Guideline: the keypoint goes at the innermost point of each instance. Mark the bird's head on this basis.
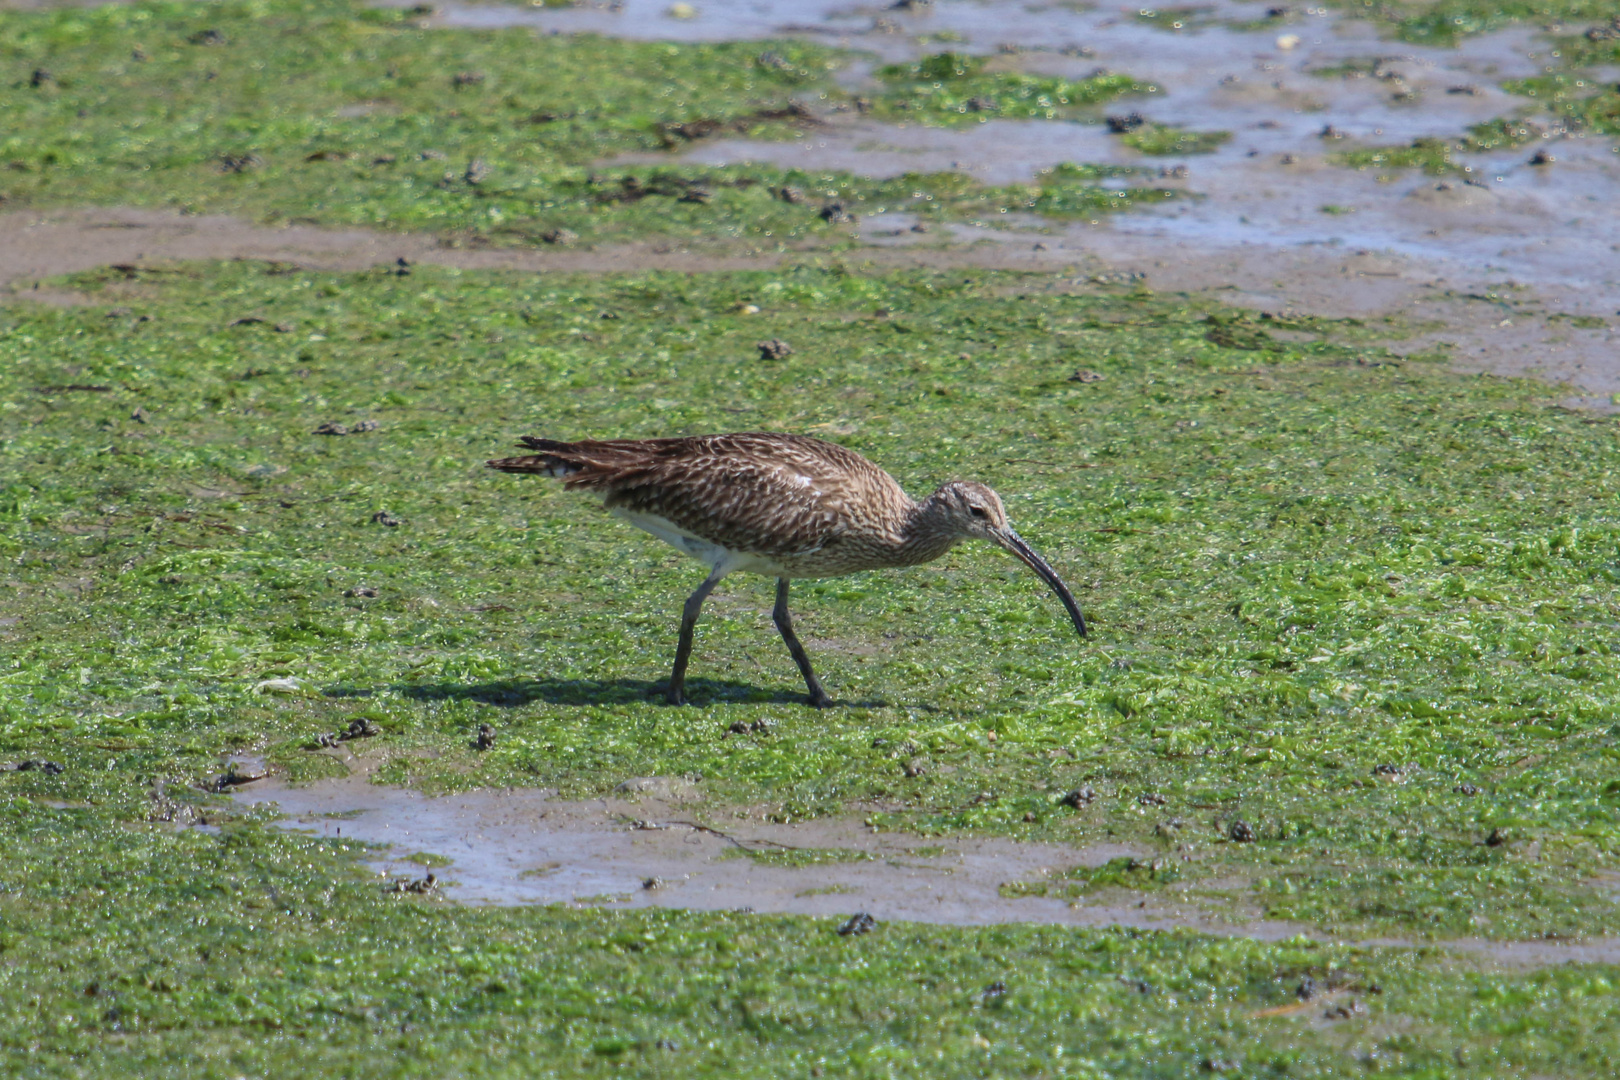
(971, 511)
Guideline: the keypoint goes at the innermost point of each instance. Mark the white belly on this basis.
(716, 557)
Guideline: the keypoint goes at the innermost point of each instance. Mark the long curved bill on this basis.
(1015, 544)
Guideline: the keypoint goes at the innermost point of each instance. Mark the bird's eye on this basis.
(977, 511)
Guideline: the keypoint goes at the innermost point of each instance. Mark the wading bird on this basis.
(785, 505)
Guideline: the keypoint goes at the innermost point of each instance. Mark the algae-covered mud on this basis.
(1349, 671)
(322, 747)
(331, 113)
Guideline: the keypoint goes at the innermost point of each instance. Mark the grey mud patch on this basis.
(653, 843)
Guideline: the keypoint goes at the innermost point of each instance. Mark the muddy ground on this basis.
(1511, 271)
(1504, 329)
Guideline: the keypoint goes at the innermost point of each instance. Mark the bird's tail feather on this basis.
(584, 464)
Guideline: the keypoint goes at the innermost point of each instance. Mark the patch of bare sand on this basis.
(35, 245)
(1484, 320)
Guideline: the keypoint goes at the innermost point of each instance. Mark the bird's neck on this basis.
(926, 534)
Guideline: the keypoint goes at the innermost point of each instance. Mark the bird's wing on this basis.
(770, 494)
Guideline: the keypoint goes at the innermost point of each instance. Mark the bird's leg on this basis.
(683, 651)
(784, 623)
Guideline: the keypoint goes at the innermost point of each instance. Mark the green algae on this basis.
(955, 87)
(1165, 139)
(1360, 604)
(1445, 22)
(1329, 587)
(256, 951)
(326, 112)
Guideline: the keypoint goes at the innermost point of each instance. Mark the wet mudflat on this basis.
(1329, 790)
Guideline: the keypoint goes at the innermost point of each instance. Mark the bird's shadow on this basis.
(511, 693)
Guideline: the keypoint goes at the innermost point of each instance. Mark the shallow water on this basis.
(525, 847)
(651, 844)
(1270, 186)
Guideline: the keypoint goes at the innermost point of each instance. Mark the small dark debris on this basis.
(1289, 159)
(994, 991)
(1465, 789)
(402, 267)
(774, 349)
(1330, 132)
(1083, 376)
(1542, 157)
(329, 155)
(139, 415)
(233, 777)
(1344, 1010)
(385, 519)
(863, 105)
(363, 591)
(1080, 796)
(859, 923)
(431, 155)
(239, 163)
(361, 728)
(1307, 989)
(666, 1044)
(914, 768)
(485, 739)
(791, 195)
(772, 59)
(921, 227)
(360, 428)
(983, 104)
(1605, 33)
(836, 213)
(420, 885)
(462, 79)
(1121, 125)
(1388, 770)
(49, 768)
(1471, 91)
(1151, 798)
(560, 237)
(652, 884)
(1139, 985)
(476, 173)
(1221, 1065)
(1174, 172)
(384, 159)
(40, 77)
(1496, 839)
(701, 196)
(749, 727)
(1241, 832)
(207, 37)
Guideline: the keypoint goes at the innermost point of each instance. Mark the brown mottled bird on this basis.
(785, 505)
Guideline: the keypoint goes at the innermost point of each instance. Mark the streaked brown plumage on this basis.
(785, 505)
